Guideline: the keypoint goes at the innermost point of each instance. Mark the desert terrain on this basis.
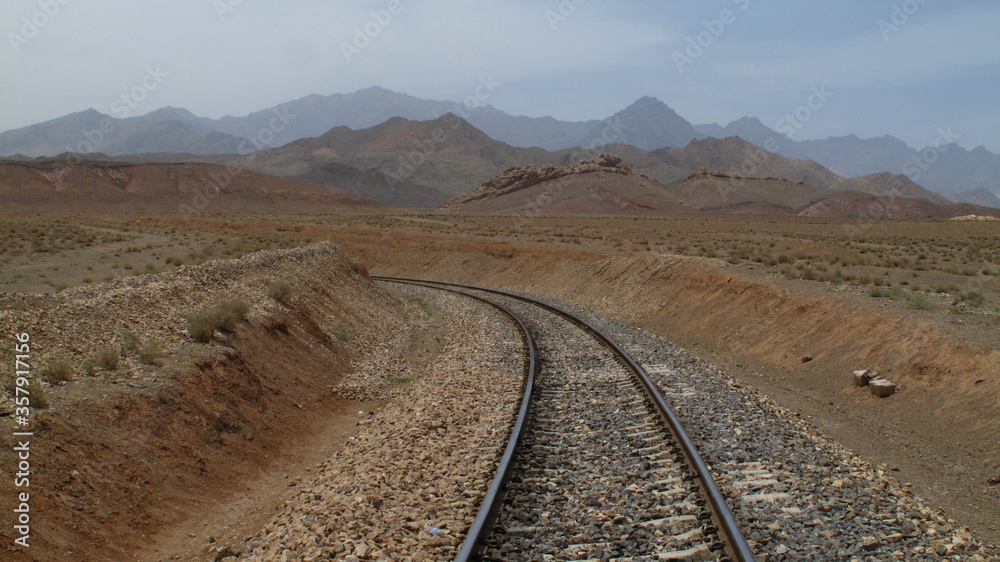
(789, 305)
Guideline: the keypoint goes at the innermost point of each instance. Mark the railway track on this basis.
(597, 467)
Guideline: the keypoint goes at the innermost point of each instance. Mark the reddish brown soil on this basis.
(118, 471)
(184, 188)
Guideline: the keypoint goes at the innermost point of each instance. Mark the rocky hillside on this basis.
(602, 185)
(607, 185)
(58, 185)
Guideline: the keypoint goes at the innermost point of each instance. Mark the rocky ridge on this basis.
(522, 177)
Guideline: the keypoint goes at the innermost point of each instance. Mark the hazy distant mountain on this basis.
(647, 124)
(89, 131)
(423, 163)
(981, 196)
(735, 155)
(945, 169)
(64, 134)
(314, 115)
(169, 136)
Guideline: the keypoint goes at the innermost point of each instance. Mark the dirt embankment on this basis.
(939, 430)
(121, 457)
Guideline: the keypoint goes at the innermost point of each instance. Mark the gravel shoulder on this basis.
(410, 483)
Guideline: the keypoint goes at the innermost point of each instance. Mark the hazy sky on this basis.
(905, 68)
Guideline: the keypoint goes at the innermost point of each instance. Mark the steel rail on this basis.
(735, 543)
(482, 526)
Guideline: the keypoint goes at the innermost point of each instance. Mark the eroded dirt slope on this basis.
(122, 455)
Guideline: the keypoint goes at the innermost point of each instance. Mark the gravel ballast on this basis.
(796, 494)
(411, 482)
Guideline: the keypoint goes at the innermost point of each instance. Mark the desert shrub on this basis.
(920, 301)
(108, 357)
(788, 271)
(972, 298)
(949, 288)
(231, 313)
(174, 260)
(345, 335)
(151, 352)
(281, 292)
(130, 341)
(36, 396)
(89, 368)
(224, 316)
(8, 381)
(57, 370)
(201, 325)
(879, 293)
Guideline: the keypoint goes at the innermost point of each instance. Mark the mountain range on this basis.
(426, 163)
(647, 124)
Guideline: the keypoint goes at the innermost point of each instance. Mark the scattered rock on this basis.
(869, 543)
(862, 377)
(882, 388)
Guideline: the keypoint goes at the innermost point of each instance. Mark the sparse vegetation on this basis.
(345, 335)
(224, 316)
(921, 301)
(108, 358)
(8, 382)
(428, 309)
(57, 370)
(151, 352)
(971, 298)
(281, 292)
(129, 340)
(36, 395)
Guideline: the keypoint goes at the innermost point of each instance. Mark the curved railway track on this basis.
(597, 466)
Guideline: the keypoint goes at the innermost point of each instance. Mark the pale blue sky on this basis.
(938, 66)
